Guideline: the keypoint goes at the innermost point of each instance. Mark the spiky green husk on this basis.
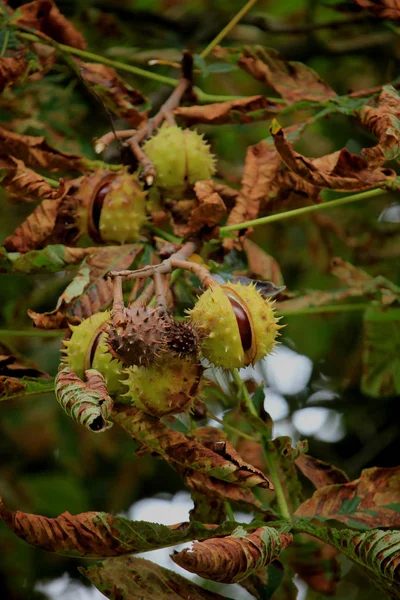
(220, 340)
(124, 210)
(78, 346)
(165, 389)
(181, 157)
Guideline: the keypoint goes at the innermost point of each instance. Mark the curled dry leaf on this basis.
(128, 577)
(35, 152)
(210, 209)
(383, 9)
(243, 110)
(319, 472)
(88, 403)
(90, 291)
(12, 68)
(44, 16)
(25, 183)
(369, 501)
(175, 447)
(231, 559)
(119, 97)
(98, 534)
(384, 122)
(341, 171)
(294, 81)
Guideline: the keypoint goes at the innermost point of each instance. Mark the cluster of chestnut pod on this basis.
(145, 356)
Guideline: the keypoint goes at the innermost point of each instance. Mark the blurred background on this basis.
(48, 464)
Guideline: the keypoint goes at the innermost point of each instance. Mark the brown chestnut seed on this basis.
(92, 350)
(243, 323)
(98, 204)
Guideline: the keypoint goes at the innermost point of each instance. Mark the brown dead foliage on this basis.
(25, 183)
(384, 9)
(12, 68)
(176, 447)
(384, 122)
(339, 171)
(44, 16)
(319, 472)
(367, 500)
(119, 97)
(17, 366)
(262, 265)
(316, 563)
(233, 111)
(35, 152)
(235, 557)
(210, 209)
(294, 81)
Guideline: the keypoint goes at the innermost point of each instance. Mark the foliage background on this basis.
(48, 463)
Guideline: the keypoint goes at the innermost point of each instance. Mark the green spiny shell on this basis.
(181, 157)
(221, 338)
(124, 210)
(165, 389)
(78, 347)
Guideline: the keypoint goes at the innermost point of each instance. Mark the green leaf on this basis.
(376, 552)
(15, 387)
(49, 260)
(381, 355)
(127, 577)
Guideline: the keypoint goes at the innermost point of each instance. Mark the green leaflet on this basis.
(377, 552)
(13, 387)
(128, 577)
(381, 354)
(49, 260)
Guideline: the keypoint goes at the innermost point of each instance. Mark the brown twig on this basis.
(160, 293)
(105, 140)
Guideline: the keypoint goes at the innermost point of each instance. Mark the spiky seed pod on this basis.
(140, 338)
(183, 339)
(167, 388)
(87, 349)
(111, 207)
(181, 157)
(237, 326)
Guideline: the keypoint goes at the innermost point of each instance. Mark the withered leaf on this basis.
(210, 208)
(319, 472)
(33, 233)
(12, 68)
(316, 563)
(384, 122)
(384, 9)
(243, 110)
(25, 183)
(262, 265)
(341, 171)
(176, 447)
(128, 577)
(44, 16)
(284, 455)
(51, 260)
(119, 97)
(90, 291)
(98, 534)
(14, 387)
(17, 366)
(233, 558)
(370, 501)
(35, 152)
(294, 81)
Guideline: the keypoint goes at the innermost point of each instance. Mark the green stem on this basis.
(297, 212)
(5, 42)
(229, 512)
(233, 429)
(243, 392)
(163, 234)
(31, 333)
(315, 310)
(280, 496)
(218, 38)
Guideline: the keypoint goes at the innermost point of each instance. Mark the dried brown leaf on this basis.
(233, 111)
(36, 230)
(319, 472)
(176, 447)
(316, 563)
(383, 9)
(12, 68)
(339, 171)
(262, 265)
(235, 557)
(370, 501)
(294, 81)
(35, 152)
(44, 16)
(90, 291)
(384, 122)
(119, 97)
(17, 366)
(25, 183)
(209, 210)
